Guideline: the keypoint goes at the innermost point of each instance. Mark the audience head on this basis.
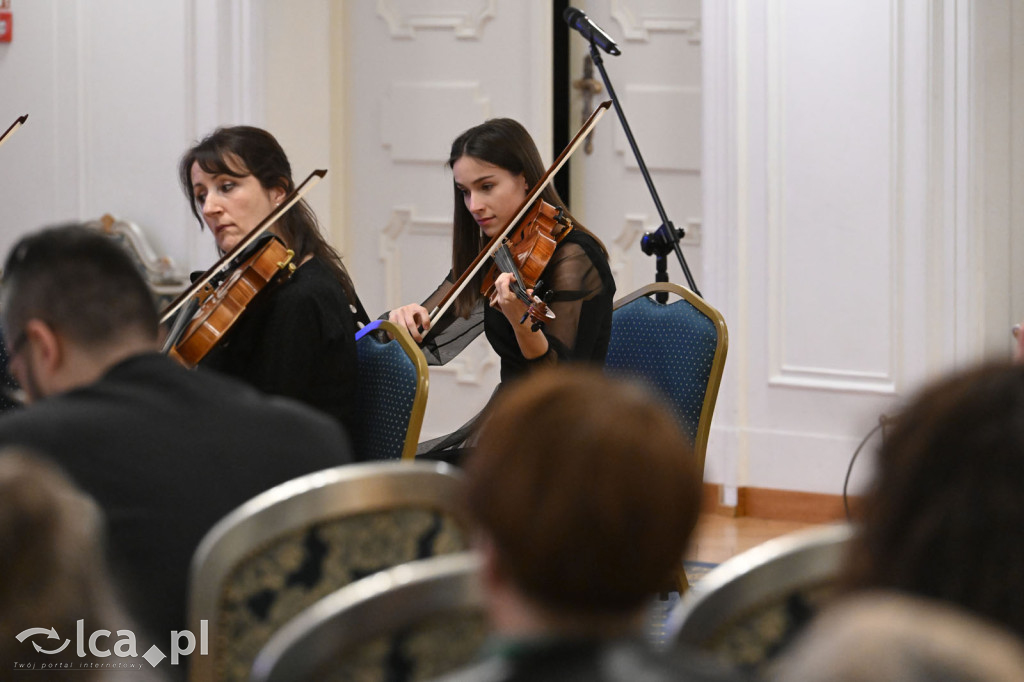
(52, 571)
(585, 493)
(66, 289)
(944, 517)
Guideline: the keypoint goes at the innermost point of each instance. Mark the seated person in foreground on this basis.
(52, 573)
(889, 636)
(584, 493)
(166, 452)
(942, 522)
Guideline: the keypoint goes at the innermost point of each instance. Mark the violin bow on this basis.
(14, 126)
(309, 183)
(532, 196)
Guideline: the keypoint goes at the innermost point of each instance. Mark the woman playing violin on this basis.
(297, 339)
(494, 166)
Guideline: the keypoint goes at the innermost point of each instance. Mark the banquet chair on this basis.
(748, 608)
(677, 348)
(393, 380)
(414, 621)
(292, 545)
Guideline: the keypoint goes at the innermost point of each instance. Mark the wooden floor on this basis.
(719, 537)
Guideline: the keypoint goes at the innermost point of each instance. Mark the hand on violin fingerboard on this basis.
(532, 342)
(505, 300)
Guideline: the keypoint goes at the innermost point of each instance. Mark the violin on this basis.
(525, 254)
(241, 275)
(220, 308)
(518, 220)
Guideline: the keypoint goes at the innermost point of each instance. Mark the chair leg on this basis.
(682, 582)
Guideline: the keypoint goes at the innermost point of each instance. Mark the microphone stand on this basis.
(666, 238)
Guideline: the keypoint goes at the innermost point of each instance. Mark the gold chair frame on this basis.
(415, 354)
(738, 589)
(700, 445)
(346, 490)
(381, 604)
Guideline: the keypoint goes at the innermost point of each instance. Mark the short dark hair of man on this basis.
(587, 489)
(80, 282)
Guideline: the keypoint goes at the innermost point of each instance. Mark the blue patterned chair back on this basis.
(293, 545)
(677, 348)
(393, 381)
(415, 621)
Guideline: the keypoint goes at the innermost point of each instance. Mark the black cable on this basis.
(883, 421)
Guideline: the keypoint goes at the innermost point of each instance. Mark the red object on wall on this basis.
(6, 27)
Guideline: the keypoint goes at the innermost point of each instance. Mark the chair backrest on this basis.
(393, 380)
(416, 621)
(748, 608)
(679, 348)
(294, 544)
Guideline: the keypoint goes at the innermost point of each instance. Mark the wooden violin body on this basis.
(532, 243)
(529, 248)
(220, 308)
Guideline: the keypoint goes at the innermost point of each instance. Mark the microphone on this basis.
(589, 30)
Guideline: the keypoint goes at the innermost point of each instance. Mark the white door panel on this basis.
(658, 81)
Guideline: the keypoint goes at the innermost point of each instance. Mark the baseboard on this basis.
(711, 502)
(769, 503)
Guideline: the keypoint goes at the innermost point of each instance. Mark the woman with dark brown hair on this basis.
(494, 166)
(297, 340)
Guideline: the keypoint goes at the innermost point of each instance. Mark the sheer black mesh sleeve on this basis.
(573, 279)
(451, 334)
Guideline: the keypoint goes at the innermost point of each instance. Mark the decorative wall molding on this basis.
(473, 365)
(405, 17)
(825, 379)
(626, 242)
(80, 43)
(638, 19)
(224, 80)
(782, 373)
(404, 223)
(412, 138)
(692, 232)
(663, 118)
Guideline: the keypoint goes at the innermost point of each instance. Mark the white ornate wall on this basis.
(859, 162)
(115, 91)
(848, 231)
